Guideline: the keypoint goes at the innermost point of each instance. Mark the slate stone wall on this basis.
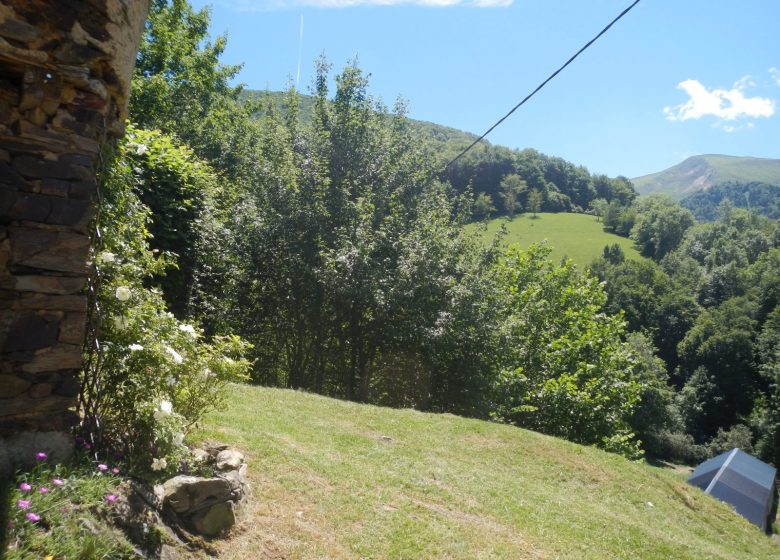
(65, 68)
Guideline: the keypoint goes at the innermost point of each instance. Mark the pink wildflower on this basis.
(41, 456)
(58, 482)
(23, 504)
(102, 468)
(24, 487)
(43, 490)
(87, 445)
(115, 470)
(33, 517)
(111, 498)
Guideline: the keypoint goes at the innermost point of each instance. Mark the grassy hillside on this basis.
(701, 172)
(334, 479)
(579, 237)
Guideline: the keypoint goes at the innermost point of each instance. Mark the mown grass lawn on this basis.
(579, 237)
(334, 479)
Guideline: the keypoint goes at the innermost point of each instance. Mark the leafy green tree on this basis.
(767, 408)
(176, 186)
(660, 225)
(619, 218)
(567, 372)
(656, 411)
(599, 207)
(180, 87)
(721, 340)
(483, 207)
(535, 201)
(512, 188)
(699, 402)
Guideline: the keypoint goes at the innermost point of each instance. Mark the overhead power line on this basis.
(544, 83)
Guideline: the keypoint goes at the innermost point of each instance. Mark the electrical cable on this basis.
(540, 86)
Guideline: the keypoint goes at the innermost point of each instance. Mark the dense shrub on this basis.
(155, 376)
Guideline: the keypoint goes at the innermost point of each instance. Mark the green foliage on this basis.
(180, 87)
(568, 372)
(483, 207)
(760, 198)
(564, 187)
(512, 188)
(535, 201)
(68, 504)
(156, 375)
(598, 206)
(177, 187)
(619, 218)
(655, 411)
(660, 225)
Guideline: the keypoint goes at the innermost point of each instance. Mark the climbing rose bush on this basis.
(157, 375)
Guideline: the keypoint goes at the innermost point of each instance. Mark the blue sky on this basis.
(673, 78)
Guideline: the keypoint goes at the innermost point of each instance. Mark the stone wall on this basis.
(65, 68)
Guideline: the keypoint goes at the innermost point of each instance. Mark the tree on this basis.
(721, 341)
(599, 207)
(512, 188)
(566, 372)
(655, 411)
(180, 87)
(535, 201)
(483, 207)
(660, 225)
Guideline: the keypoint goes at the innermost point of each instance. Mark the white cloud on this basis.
(725, 104)
(262, 5)
(775, 73)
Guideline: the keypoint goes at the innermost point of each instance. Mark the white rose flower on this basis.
(123, 293)
(178, 438)
(106, 257)
(189, 329)
(170, 381)
(174, 354)
(135, 347)
(141, 149)
(159, 464)
(164, 410)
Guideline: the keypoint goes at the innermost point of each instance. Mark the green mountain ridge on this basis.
(698, 173)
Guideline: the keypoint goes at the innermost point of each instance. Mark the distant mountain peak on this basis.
(698, 173)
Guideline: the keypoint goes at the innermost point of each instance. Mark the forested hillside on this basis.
(761, 198)
(707, 307)
(503, 181)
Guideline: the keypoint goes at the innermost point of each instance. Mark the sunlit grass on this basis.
(334, 479)
(60, 512)
(579, 237)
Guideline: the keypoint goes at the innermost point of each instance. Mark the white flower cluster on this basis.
(123, 293)
(164, 410)
(174, 354)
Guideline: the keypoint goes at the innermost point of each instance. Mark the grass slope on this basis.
(334, 479)
(701, 172)
(579, 237)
